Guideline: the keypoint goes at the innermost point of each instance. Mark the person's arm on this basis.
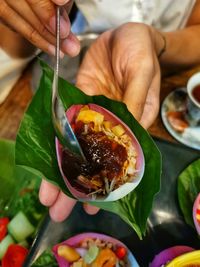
(182, 46)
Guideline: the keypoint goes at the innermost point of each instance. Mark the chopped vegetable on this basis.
(118, 130)
(68, 253)
(3, 227)
(196, 213)
(24, 243)
(106, 257)
(45, 259)
(121, 252)
(87, 116)
(14, 256)
(91, 254)
(5, 243)
(20, 227)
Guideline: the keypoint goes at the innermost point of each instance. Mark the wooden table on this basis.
(11, 111)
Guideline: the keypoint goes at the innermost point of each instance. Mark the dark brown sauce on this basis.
(105, 158)
(196, 93)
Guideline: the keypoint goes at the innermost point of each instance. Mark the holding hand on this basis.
(122, 64)
(35, 20)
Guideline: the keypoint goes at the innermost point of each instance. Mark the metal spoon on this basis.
(61, 124)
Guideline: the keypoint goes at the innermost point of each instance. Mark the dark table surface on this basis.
(166, 225)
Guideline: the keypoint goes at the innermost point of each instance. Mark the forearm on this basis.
(182, 47)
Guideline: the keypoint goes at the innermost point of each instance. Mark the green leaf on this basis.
(188, 189)
(35, 148)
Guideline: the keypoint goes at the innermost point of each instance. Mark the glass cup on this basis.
(193, 101)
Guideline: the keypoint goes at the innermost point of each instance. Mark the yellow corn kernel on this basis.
(118, 130)
(87, 116)
(68, 253)
(198, 217)
(85, 107)
(107, 125)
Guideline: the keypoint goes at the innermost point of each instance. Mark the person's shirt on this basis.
(101, 15)
(11, 69)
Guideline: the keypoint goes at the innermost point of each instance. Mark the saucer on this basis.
(173, 113)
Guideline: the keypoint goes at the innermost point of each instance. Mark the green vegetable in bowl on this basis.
(4, 244)
(20, 208)
(20, 227)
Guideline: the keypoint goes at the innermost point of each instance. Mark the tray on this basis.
(166, 226)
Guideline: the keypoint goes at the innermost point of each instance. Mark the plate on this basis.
(166, 225)
(173, 109)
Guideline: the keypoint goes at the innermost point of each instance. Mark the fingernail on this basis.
(70, 47)
(62, 2)
(64, 26)
(52, 51)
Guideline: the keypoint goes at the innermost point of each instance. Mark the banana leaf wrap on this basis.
(35, 148)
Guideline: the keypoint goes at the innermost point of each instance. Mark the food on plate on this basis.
(3, 227)
(114, 159)
(166, 256)
(196, 214)
(14, 256)
(14, 234)
(93, 250)
(177, 120)
(191, 259)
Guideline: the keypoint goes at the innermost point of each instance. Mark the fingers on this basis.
(152, 104)
(28, 14)
(92, 210)
(48, 193)
(35, 20)
(71, 45)
(45, 12)
(138, 83)
(60, 205)
(19, 24)
(62, 208)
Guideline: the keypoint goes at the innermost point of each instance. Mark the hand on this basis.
(35, 20)
(60, 205)
(123, 65)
